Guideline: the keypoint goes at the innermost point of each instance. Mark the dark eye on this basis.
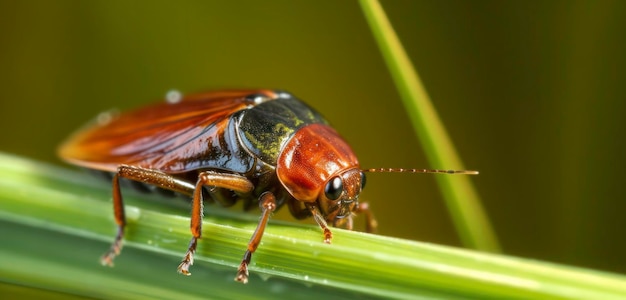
(333, 188)
(362, 180)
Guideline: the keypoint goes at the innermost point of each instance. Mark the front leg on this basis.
(317, 215)
(371, 225)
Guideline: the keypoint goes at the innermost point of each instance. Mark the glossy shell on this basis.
(227, 130)
(264, 147)
(314, 154)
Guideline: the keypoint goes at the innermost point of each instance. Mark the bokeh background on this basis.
(531, 92)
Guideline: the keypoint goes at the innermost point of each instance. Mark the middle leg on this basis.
(268, 205)
(229, 181)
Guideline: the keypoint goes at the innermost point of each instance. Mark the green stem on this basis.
(55, 223)
(461, 198)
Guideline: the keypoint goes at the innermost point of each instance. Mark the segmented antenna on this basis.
(402, 170)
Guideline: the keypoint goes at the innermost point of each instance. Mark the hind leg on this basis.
(148, 176)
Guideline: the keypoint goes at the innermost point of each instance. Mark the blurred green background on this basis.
(532, 94)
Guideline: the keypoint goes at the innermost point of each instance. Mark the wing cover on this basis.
(171, 137)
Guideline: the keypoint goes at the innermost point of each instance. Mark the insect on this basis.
(263, 147)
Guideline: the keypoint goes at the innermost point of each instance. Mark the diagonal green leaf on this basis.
(461, 198)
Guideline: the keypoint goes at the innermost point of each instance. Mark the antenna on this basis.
(402, 170)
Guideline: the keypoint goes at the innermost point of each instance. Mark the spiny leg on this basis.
(268, 205)
(120, 219)
(328, 235)
(148, 176)
(195, 226)
(209, 178)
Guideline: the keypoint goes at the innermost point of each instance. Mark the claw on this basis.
(242, 274)
(107, 259)
(183, 268)
(116, 248)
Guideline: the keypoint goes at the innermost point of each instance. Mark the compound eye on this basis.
(334, 188)
(362, 180)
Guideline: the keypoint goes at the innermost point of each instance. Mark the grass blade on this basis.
(461, 198)
(55, 223)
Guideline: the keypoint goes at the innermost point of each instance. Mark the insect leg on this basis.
(345, 223)
(328, 235)
(120, 219)
(370, 221)
(214, 179)
(268, 205)
(142, 175)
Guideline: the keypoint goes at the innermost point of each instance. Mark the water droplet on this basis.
(173, 96)
(264, 277)
(106, 117)
(133, 213)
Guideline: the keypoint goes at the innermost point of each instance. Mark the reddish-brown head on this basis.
(318, 165)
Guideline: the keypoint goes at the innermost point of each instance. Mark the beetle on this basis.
(262, 147)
